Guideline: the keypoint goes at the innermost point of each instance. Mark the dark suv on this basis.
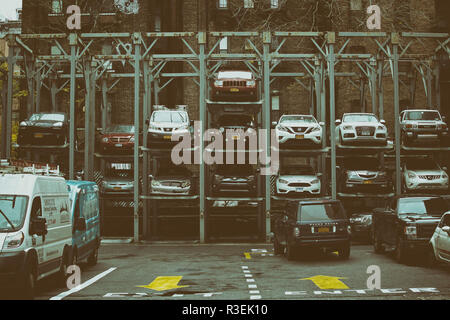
(407, 224)
(312, 224)
(234, 179)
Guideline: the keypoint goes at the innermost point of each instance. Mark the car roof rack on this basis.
(13, 166)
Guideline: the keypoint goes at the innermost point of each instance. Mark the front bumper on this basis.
(366, 185)
(423, 184)
(117, 147)
(166, 190)
(285, 138)
(12, 265)
(51, 137)
(117, 191)
(164, 139)
(415, 245)
(231, 92)
(284, 189)
(361, 231)
(351, 137)
(234, 187)
(425, 134)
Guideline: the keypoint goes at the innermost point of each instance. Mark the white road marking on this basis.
(244, 267)
(250, 280)
(252, 286)
(248, 276)
(254, 292)
(255, 297)
(83, 285)
(246, 271)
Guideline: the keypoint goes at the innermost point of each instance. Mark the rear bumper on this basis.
(51, 138)
(416, 245)
(332, 243)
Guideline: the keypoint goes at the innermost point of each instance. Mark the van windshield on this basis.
(321, 212)
(12, 212)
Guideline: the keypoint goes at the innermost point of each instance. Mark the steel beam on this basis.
(9, 103)
(395, 58)
(266, 111)
(137, 40)
(202, 109)
(73, 62)
(331, 64)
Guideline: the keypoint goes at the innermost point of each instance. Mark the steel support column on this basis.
(395, 58)
(331, 64)
(148, 82)
(73, 62)
(89, 120)
(9, 100)
(202, 110)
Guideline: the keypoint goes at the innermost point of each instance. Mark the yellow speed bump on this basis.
(164, 283)
(328, 282)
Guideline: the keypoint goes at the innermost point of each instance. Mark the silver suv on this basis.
(422, 125)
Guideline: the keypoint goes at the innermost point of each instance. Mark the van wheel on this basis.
(400, 252)
(377, 244)
(277, 247)
(29, 282)
(93, 258)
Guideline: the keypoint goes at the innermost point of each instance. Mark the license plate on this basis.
(167, 137)
(323, 230)
(235, 137)
(368, 182)
(299, 189)
(299, 136)
(365, 133)
(38, 135)
(118, 145)
(117, 188)
(234, 90)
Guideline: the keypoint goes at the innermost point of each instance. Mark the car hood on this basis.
(42, 123)
(426, 172)
(298, 124)
(364, 172)
(298, 178)
(168, 124)
(117, 180)
(362, 124)
(420, 218)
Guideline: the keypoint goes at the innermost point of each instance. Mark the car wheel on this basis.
(29, 279)
(290, 252)
(93, 258)
(341, 140)
(431, 258)
(344, 253)
(277, 247)
(400, 252)
(377, 244)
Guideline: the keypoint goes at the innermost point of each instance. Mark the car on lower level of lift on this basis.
(406, 224)
(118, 180)
(117, 139)
(439, 249)
(44, 129)
(238, 130)
(234, 84)
(300, 180)
(422, 126)
(237, 179)
(312, 224)
(172, 180)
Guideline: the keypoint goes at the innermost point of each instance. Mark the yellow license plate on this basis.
(299, 136)
(323, 230)
(235, 137)
(368, 182)
(234, 90)
(117, 188)
(38, 135)
(167, 137)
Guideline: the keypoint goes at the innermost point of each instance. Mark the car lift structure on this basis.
(85, 57)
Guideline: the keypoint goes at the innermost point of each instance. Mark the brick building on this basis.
(245, 15)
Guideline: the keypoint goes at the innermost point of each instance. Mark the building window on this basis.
(56, 6)
(222, 4)
(274, 4)
(248, 4)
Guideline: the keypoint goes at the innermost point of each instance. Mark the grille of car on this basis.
(119, 139)
(299, 184)
(171, 184)
(427, 126)
(234, 83)
(425, 230)
(367, 176)
(359, 131)
(429, 177)
(167, 129)
(300, 129)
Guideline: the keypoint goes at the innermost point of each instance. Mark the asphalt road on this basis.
(246, 272)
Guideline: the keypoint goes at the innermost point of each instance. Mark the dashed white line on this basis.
(255, 297)
(254, 294)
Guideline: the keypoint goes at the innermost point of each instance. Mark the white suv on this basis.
(361, 128)
(298, 130)
(165, 123)
(424, 174)
(440, 241)
(297, 180)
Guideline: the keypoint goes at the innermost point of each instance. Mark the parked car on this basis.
(297, 180)
(440, 242)
(35, 231)
(320, 223)
(407, 224)
(239, 128)
(422, 125)
(234, 178)
(85, 211)
(363, 175)
(44, 129)
(299, 130)
(163, 124)
(232, 84)
(117, 139)
(361, 226)
(422, 174)
(118, 180)
(172, 180)
(362, 129)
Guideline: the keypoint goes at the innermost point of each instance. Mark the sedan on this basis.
(234, 179)
(172, 180)
(298, 180)
(44, 129)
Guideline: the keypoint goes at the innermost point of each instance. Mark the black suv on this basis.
(234, 179)
(407, 223)
(44, 129)
(312, 224)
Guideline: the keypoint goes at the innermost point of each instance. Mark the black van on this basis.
(318, 223)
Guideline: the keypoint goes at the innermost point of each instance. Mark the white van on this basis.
(35, 230)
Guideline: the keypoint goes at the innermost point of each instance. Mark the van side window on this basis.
(36, 209)
(446, 221)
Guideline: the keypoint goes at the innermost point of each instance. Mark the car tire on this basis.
(29, 284)
(377, 244)
(290, 252)
(341, 140)
(93, 257)
(278, 248)
(400, 252)
(344, 252)
(431, 260)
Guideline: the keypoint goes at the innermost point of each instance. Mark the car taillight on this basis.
(296, 232)
(409, 126)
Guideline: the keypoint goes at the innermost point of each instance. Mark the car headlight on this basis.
(282, 181)
(315, 181)
(366, 220)
(104, 184)
(182, 128)
(281, 128)
(353, 175)
(251, 83)
(315, 129)
(132, 139)
(151, 127)
(218, 83)
(155, 183)
(23, 124)
(58, 124)
(381, 128)
(412, 175)
(347, 127)
(186, 184)
(296, 232)
(411, 232)
(444, 175)
(14, 240)
(105, 140)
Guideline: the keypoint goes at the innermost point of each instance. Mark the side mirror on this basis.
(39, 227)
(338, 122)
(446, 229)
(383, 121)
(147, 122)
(321, 123)
(444, 168)
(80, 224)
(444, 118)
(274, 124)
(151, 176)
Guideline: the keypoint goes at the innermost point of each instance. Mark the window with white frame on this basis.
(248, 4)
(222, 4)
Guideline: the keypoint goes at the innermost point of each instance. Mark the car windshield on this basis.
(360, 118)
(234, 75)
(299, 118)
(235, 121)
(12, 212)
(173, 171)
(423, 115)
(169, 116)
(47, 117)
(297, 170)
(235, 169)
(422, 206)
(120, 129)
(361, 164)
(421, 164)
(321, 212)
